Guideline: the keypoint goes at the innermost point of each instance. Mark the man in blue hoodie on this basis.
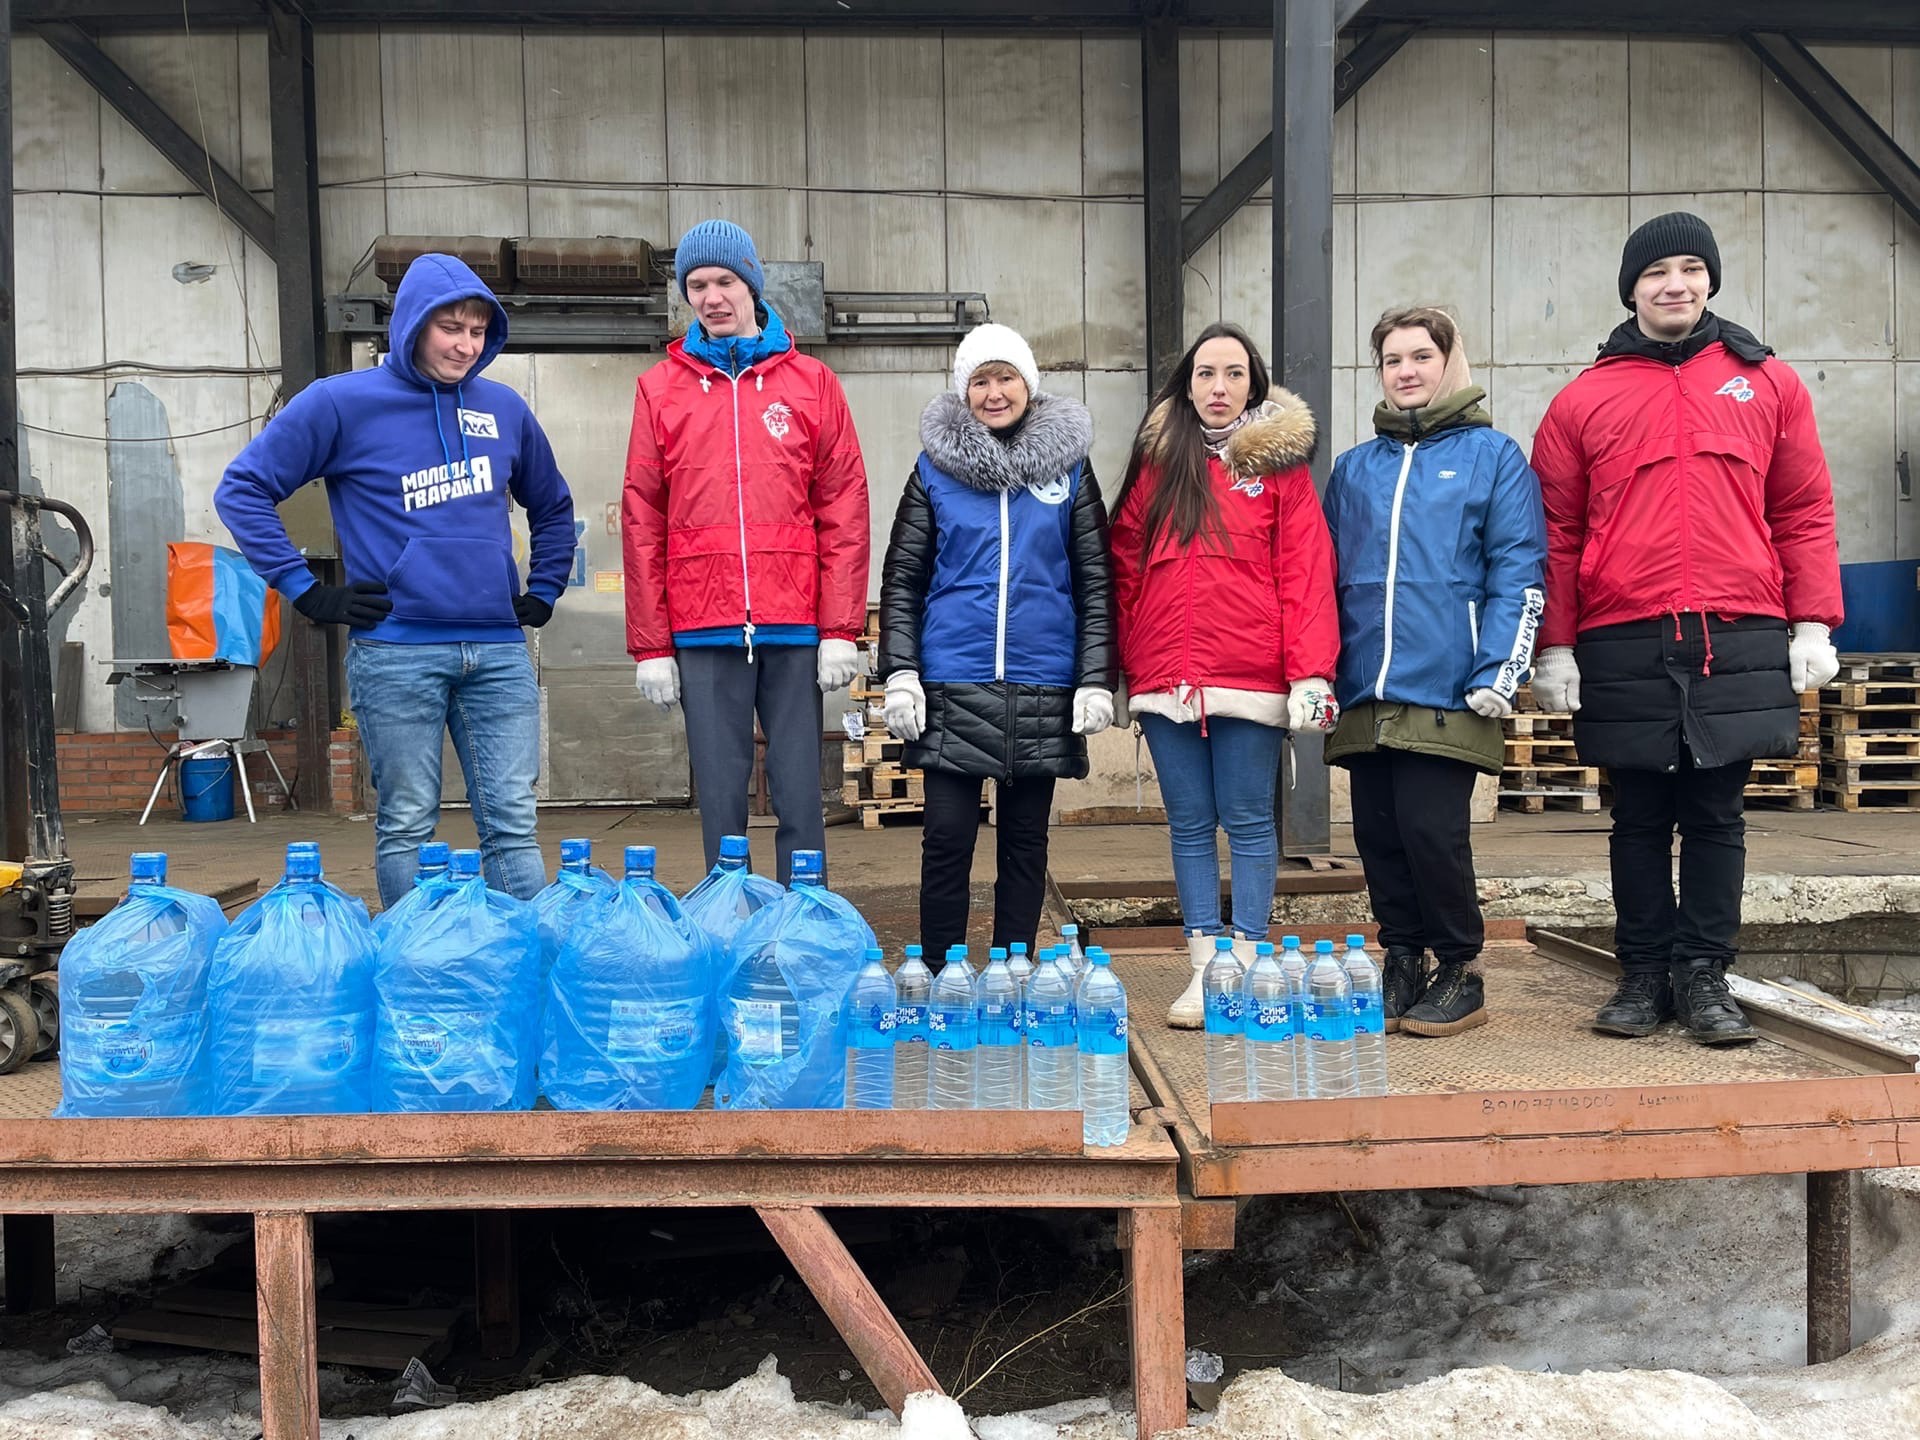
(422, 458)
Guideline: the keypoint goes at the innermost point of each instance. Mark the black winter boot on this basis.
(1705, 1005)
(1403, 979)
(1643, 999)
(1455, 1000)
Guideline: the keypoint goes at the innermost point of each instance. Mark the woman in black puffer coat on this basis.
(996, 627)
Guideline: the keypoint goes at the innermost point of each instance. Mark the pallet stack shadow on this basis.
(876, 781)
(1541, 768)
(1870, 734)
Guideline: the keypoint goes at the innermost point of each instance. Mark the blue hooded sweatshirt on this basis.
(419, 476)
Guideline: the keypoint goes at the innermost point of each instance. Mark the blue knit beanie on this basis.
(718, 242)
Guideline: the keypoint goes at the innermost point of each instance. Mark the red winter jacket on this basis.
(743, 490)
(1256, 614)
(1695, 487)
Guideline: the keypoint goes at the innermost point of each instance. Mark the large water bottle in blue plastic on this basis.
(727, 897)
(1267, 1012)
(1101, 1004)
(290, 999)
(1329, 1025)
(435, 856)
(871, 1010)
(578, 886)
(913, 987)
(953, 1027)
(1053, 1045)
(133, 1000)
(1221, 983)
(996, 1055)
(1369, 1020)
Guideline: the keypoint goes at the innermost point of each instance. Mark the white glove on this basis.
(1092, 710)
(1811, 658)
(1556, 680)
(839, 662)
(1311, 706)
(906, 705)
(1490, 703)
(659, 680)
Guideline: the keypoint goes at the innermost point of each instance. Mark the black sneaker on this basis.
(1643, 1000)
(1455, 1000)
(1705, 1005)
(1403, 979)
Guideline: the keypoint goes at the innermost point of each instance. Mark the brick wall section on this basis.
(106, 773)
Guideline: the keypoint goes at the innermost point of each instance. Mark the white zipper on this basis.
(1393, 567)
(740, 505)
(1000, 619)
(1473, 625)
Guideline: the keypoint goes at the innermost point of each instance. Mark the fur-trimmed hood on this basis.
(1055, 435)
(1281, 435)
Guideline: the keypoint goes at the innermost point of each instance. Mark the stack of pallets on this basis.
(1792, 784)
(1541, 768)
(1870, 734)
(875, 779)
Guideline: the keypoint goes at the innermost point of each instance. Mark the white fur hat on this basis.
(986, 344)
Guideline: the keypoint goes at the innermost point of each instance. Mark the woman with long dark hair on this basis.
(1223, 581)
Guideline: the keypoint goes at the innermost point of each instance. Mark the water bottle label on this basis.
(951, 1029)
(1369, 1018)
(1269, 1021)
(1329, 1021)
(422, 1041)
(755, 1030)
(874, 1027)
(659, 1031)
(1103, 1032)
(999, 1025)
(1050, 1027)
(128, 1052)
(305, 1050)
(1226, 1013)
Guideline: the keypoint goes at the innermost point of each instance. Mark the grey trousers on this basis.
(720, 693)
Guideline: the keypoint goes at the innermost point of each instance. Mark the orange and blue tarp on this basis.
(217, 607)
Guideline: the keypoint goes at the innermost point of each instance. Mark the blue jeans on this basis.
(1222, 780)
(406, 698)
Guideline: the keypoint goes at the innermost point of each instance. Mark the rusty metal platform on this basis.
(1536, 1096)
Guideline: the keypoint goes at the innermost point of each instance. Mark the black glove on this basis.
(359, 606)
(531, 611)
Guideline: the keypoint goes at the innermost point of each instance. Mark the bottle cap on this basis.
(998, 952)
(304, 847)
(956, 952)
(149, 866)
(733, 847)
(913, 952)
(1070, 931)
(1323, 947)
(303, 861)
(1356, 942)
(1290, 942)
(1019, 947)
(464, 865)
(1097, 956)
(809, 867)
(875, 954)
(435, 853)
(639, 858)
(576, 852)
(1265, 947)
(1223, 943)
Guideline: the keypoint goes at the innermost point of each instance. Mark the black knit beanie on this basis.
(1675, 233)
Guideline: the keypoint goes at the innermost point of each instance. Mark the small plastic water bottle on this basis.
(996, 1062)
(1102, 1013)
(1022, 971)
(1226, 1030)
(953, 1027)
(1076, 957)
(1329, 1024)
(870, 1036)
(1268, 1015)
(1369, 1020)
(1053, 1046)
(1295, 964)
(913, 984)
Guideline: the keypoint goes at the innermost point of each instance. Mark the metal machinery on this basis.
(37, 887)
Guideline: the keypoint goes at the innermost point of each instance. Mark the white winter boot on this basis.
(1189, 1012)
(1243, 951)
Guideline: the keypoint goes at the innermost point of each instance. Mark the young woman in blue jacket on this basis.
(1440, 539)
(996, 627)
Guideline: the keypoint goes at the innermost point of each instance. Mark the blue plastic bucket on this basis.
(206, 787)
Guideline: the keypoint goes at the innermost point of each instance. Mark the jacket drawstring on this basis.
(1203, 710)
(459, 404)
(1139, 794)
(1706, 636)
(446, 455)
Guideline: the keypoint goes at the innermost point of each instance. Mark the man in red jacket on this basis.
(1692, 578)
(745, 530)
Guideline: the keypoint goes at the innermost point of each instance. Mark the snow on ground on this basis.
(1897, 1024)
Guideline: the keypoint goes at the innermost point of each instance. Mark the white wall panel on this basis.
(1739, 229)
(1000, 90)
(1907, 438)
(1424, 123)
(352, 148)
(195, 80)
(1349, 343)
(441, 128)
(1854, 405)
(1246, 99)
(874, 115)
(886, 411)
(1110, 110)
(56, 121)
(1200, 292)
(1200, 163)
(777, 219)
(207, 419)
(151, 316)
(256, 126)
(1801, 155)
(880, 242)
(1026, 255)
(73, 466)
(1117, 400)
(596, 110)
(1246, 272)
(1430, 252)
(1556, 263)
(1830, 276)
(1352, 419)
(1522, 394)
(1696, 114)
(1559, 114)
(1116, 286)
(57, 258)
(1906, 130)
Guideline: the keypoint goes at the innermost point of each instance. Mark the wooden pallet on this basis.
(1871, 745)
(1872, 796)
(885, 781)
(1785, 784)
(372, 1337)
(1533, 802)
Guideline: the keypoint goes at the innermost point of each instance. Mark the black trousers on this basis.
(1413, 824)
(949, 828)
(1651, 930)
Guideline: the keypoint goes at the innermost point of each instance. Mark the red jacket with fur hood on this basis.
(1247, 607)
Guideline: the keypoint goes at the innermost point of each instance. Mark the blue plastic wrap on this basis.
(133, 1003)
(787, 1051)
(629, 1007)
(458, 985)
(576, 889)
(720, 904)
(290, 1000)
(435, 856)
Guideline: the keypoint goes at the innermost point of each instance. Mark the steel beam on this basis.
(296, 202)
(1829, 1265)
(1255, 169)
(1160, 111)
(1829, 102)
(1302, 153)
(162, 131)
